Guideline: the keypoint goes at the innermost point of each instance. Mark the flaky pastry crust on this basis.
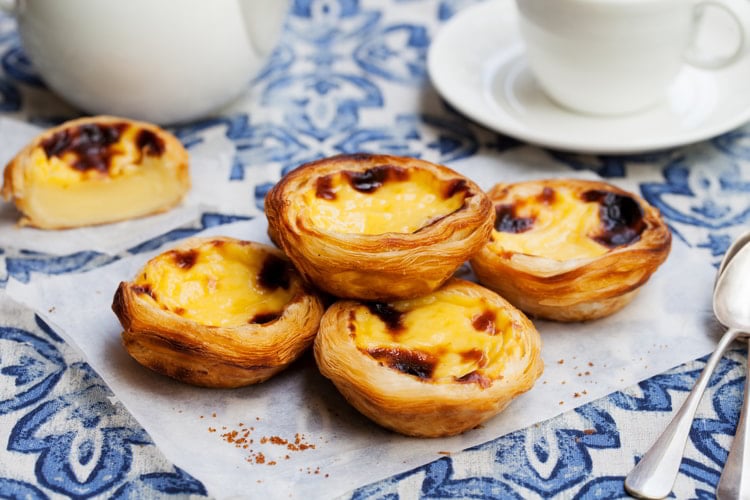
(633, 238)
(170, 343)
(399, 385)
(384, 265)
(92, 171)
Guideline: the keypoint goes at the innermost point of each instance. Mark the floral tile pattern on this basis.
(350, 75)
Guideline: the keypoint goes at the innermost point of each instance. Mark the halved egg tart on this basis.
(377, 227)
(432, 366)
(96, 170)
(570, 250)
(217, 312)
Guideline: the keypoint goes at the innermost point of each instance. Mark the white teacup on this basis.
(610, 57)
(164, 61)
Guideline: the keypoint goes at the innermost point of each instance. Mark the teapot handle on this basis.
(8, 6)
(264, 20)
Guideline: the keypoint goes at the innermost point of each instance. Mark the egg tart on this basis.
(217, 312)
(96, 170)
(377, 227)
(432, 366)
(570, 250)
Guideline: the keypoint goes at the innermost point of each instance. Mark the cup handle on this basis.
(8, 6)
(739, 12)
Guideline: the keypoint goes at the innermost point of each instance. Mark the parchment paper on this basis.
(306, 440)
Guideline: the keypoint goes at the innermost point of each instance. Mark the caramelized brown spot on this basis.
(186, 259)
(262, 318)
(90, 143)
(324, 188)
(368, 181)
(388, 315)
(180, 311)
(274, 273)
(454, 187)
(150, 143)
(547, 196)
(351, 323)
(621, 218)
(506, 220)
(477, 378)
(476, 356)
(484, 322)
(419, 364)
(143, 289)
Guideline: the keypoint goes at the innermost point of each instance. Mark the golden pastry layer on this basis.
(436, 365)
(377, 227)
(570, 250)
(217, 312)
(96, 170)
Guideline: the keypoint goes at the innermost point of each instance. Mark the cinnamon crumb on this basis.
(588, 432)
(278, 440)
(240, 438)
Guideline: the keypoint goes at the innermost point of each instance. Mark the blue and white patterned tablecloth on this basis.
(348, 76)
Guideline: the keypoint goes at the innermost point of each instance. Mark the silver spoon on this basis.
(732, 309)
(735, 247)
(655, 473)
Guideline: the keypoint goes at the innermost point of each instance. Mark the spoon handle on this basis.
(735, 478)
(655, 473)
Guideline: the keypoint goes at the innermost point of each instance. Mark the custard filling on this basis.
(560, 224)
(444, 337)
(382, 200)
(218, 283)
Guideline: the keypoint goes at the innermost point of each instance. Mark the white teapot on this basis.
(163, 61)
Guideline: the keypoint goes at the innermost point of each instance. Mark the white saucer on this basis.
(477, 64)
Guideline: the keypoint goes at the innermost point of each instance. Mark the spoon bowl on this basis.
(731, 300)
(733, 249)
